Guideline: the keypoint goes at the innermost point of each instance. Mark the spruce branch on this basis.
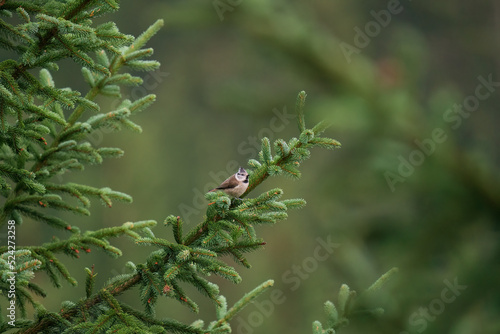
(289, 155)
(47, 321)
(349, 305)
(299, 108)
(68, 13)
(51, 144)
(55, 158)
(224, 317)
(287, 159)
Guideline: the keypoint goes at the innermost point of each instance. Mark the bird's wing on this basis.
(228, 184)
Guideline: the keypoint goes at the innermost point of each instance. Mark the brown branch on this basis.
(40, 326)
(198, 234)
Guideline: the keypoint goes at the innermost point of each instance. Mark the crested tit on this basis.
(235, 185)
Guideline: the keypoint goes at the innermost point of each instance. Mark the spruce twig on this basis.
(244, 301)
(347, 306)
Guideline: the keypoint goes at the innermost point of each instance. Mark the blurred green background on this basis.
(388, 75)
